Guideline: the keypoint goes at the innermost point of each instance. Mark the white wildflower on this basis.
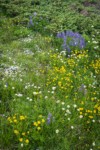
(72, 127)
(68, 106)
(63, 108)
(19, 95)
(52, 92)
(35, 93)
(30, 99)
(53, 88)
(22, 144)
(65, 114)
(68, 111)
(58, 101)
(46, 97)
(74, 105)
(81, 116)
(62, 103)
(93, 120)
(57, 131)
(93, 143)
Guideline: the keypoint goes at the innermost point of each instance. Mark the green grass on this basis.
(49, 101)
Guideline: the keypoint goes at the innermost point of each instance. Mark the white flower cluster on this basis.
(11, 70)
(28, 52)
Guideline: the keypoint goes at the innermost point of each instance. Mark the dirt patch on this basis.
(87, 4)
(84, 12)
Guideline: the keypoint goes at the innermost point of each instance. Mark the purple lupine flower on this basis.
(69, 33)
(49, 118)
(61, 35)
(77, 35)
(83, 89)
(75, 40)
(35, 13)
(30, 24)
(82, 43)
(64, 42)
(68, 49)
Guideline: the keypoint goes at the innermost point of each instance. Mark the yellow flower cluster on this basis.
(71, 63)
(90, 113)
(38, 124)
(22, 140)
(96, 66)
(22, 117)
(15, 119)
(60, 70)
(48, 39)
(97, 108)
(16, 132)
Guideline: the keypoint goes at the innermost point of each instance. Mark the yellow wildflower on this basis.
(16, 132)
(43, 120)
(22, 117)
(40, 116)
(35, 124)
(90, 117)
(38, 128)
(26, 141)
(9, 119)
(80, 113)
(38, 122)
(89, 111)
(23, 133)
(81, 109)
(14, 117)
(98, 108)
(15, 121)
(94, 111)
(21, 139)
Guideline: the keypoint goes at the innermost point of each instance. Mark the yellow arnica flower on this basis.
(9, 119)
(98, 108)
(23, 133)
(80, 108)
(22, 118)
(80, 113)
(90, 117)
(26, 141)
(38, 122)
(94, 111)
(89, 111)
(35, 124)
(15, 121)
(38, 128)
(43, 120)
(40, 116)
(16, 132)
(21, 139)
(14, 117)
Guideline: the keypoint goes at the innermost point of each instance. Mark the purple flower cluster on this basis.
(75, 40)
(49, 118)
(30, 24)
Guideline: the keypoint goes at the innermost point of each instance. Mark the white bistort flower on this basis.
(35, 93)
(57, 131)
(53, 88)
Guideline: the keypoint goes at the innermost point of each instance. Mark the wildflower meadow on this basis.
(50, 75)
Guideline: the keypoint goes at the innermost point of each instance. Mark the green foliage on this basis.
(49, 100)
